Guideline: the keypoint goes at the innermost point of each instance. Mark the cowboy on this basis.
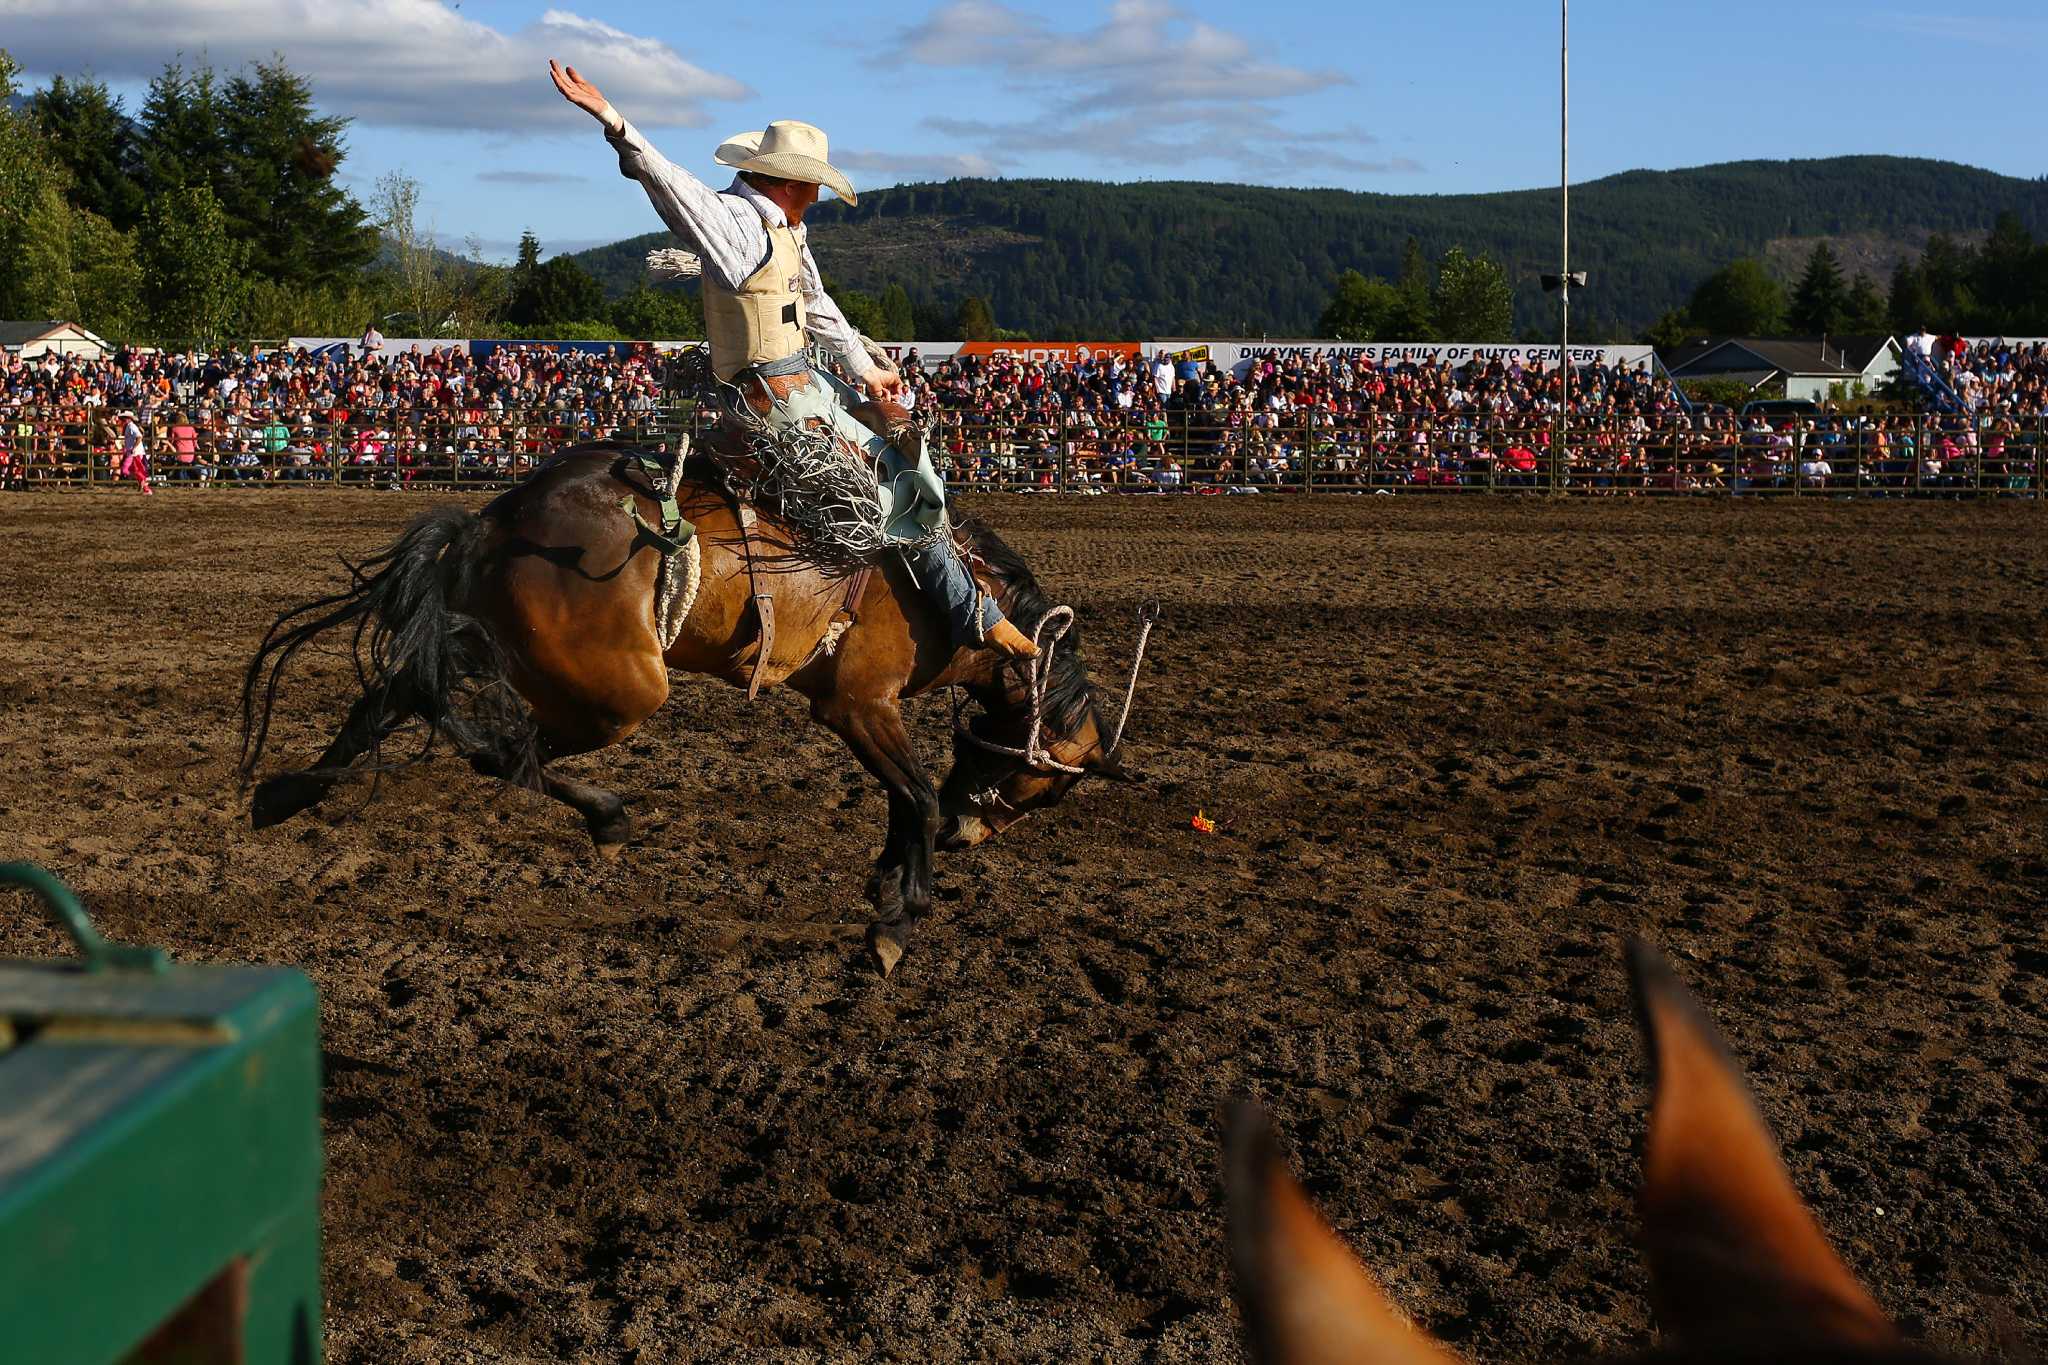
(763, 305)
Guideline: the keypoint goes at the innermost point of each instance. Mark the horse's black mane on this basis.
(1069, 699)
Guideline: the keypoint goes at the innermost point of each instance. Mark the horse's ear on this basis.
(1736, 1259)
(1304, 1297)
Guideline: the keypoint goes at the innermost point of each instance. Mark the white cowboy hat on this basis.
(787, 150)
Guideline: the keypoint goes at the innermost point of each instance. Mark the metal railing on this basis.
(1925, 454)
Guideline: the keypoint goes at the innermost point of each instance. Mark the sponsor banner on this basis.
(612, 350)
(1237, 356)
(392, 345)
(1030, 352)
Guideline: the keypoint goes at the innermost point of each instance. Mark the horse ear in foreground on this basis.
(531, 631)
(1739, 1268)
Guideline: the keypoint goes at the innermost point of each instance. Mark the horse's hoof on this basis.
(278, 799)
(609, 832)
(609, 852)
(885, 944)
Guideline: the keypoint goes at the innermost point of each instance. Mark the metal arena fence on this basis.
(1911, 454)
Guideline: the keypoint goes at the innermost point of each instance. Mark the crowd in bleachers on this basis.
(296, 414)
(1993, 376)
(1286, 420)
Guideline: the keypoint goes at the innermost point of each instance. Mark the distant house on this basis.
(33, 340)
(1809, 368)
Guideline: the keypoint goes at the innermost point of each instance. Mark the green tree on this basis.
(1472, 300)
(279, 188)
(523, 307)
(191, 266)
(1738, 300)
(565, 292)
(899, 323)
(864, 311)
(92, 136)
(183, 137)
(1864, 313)
(106, 277)
(415, 257)
(1821, 302)
(1411, 321)
(648, 314)
(1359, 308)
(1910, 305)
(31, 194)
(973, 321)
(1945, 269)
(1671, 331)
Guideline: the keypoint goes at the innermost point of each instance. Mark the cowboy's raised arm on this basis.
(731, 244)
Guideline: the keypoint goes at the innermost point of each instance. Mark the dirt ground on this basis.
(659, 1109)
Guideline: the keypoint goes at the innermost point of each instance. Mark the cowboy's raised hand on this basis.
(882, 383)
(576, 90)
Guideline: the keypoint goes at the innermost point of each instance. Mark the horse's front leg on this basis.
(902, 884)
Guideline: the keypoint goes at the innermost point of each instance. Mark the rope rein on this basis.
(1034, 753)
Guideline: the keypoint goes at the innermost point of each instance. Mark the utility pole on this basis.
(1564, 270)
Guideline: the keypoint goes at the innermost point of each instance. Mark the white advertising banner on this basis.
(1237, 355)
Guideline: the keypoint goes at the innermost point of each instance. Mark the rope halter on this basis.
(1051, 628)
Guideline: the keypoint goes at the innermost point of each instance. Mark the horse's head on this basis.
(988, 791)
(1739, 1269)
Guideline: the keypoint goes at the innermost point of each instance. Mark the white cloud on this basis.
(913, 167)
(400, 63)
(531, 178)
(1150, 89)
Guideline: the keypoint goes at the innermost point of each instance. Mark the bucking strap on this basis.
(674, 531)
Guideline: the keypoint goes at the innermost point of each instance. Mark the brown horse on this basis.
(527, 632)
(1739, 1268)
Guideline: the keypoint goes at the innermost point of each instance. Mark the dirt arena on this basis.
(659, 1109)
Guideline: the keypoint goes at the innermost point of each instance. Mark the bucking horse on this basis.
(546, 625)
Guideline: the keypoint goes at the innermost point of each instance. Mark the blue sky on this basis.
(1368, 96)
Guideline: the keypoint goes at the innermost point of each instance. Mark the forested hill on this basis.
(1070, 258)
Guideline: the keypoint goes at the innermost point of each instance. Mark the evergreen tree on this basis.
(1738, 300)
(565, 292)
(183, 134)
(935, 322)
(523, 307)
(898, 322)
(1821, 302)
(1910, 305)
(1359, 309)
(974, 321)
(863, 311)
(279, 191)
(1865, 312)
(191, 265)
(1411, 321)
(91, 134)
(1945, 269)
(1472, 300)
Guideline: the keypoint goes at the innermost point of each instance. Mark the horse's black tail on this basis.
(424, 657)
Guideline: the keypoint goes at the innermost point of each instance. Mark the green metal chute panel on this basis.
(159, 1129)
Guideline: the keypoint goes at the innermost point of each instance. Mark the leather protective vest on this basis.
(762, 320)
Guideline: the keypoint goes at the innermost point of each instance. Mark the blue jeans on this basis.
(912, 495)
(952, 591)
